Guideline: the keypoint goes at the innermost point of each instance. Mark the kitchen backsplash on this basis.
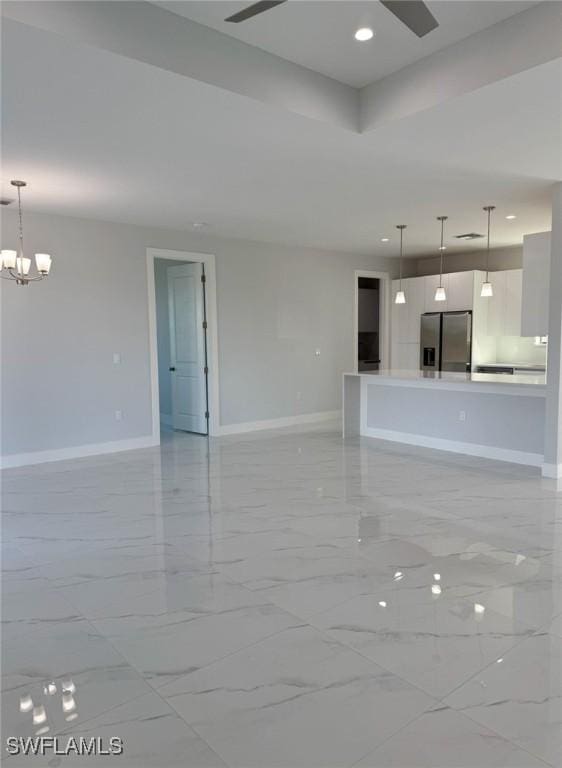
(519, 349)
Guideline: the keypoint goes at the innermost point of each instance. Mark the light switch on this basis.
(118, 415)
(317, 351)
(116, 358)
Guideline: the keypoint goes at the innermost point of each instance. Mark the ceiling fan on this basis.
(413, 13)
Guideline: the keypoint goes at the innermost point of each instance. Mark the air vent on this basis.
(469, 236)
(5, 201)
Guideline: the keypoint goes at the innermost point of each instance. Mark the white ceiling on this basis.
(319, 34)
(103, 136)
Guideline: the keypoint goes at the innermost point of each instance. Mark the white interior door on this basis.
(187, 348)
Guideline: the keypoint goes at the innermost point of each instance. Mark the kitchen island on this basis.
(480, 414)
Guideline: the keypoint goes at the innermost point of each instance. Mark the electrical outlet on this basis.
(462, 415)
(118, 415)
(299, 395)
(317, 351)
(116, 358)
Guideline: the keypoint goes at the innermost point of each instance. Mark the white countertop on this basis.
(519, 366)
(527, 383)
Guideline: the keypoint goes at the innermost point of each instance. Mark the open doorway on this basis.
(368, 324)
(371, 325)
(183, 348)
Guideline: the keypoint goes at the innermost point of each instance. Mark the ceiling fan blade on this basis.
(413, 13)
(253, 10)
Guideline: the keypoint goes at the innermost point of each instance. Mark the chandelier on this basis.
(14, 265)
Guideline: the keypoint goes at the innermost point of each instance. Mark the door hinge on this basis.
(206, 370)
(203, 279)
(206, 414)
(205, 324)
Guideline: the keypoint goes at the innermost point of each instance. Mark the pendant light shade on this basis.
(487, 291)
(23, 265)
(440, 294)
(43, 263)
(400, 297)
(9, 259)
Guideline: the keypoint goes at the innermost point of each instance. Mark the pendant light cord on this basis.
(401, 236)
(442, 219)
(488, 246)
(401, 227)
(488, 209)
(441, 250)
(20, 226)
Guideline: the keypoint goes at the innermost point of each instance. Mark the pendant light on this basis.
(13, 264)
(400, 297)
(487, 290)
(440, 294)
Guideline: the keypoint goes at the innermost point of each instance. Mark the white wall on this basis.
(500, 258)
(276, 305)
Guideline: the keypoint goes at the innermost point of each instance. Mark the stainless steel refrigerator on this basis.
(446, 341)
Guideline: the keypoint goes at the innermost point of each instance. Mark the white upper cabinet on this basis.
(406, 357)
(430, 285)
(405, 332)
(504, 307)
(416, 303)
(536, 271)
(498, 315)
(460, 290)
(399, 313)
(496, 304)
(513, 291)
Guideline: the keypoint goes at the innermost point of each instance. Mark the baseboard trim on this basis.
(453, 446)
(552, 470)
(285, 421)
(76, 452)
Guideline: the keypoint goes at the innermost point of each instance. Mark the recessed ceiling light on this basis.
(511, 217)
(363, 34)
(385, 239)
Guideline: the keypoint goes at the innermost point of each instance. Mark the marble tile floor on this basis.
(284, 599)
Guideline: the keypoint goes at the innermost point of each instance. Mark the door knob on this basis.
(171, 368)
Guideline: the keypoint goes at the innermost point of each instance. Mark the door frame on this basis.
(208, 259)
(384, 316)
